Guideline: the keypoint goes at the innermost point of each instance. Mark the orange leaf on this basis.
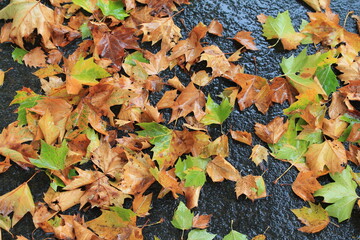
(201, 221)
(246, 40)
(219, 169)
(215, 27)
(305, 185)
(241, 136)
(272, 132)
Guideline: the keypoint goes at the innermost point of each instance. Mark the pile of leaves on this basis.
(101, 141)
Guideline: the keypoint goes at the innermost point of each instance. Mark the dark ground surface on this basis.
(271, 214)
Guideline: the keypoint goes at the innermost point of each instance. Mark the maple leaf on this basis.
(12, 144)
(259, 154)
(112, 8)
(216, 60)
(19, 201)
(163, 29)
(18, 55)
(27, 16)
(252, 186)
(235, 235)
(189, 100)
(281, 28)
(196, 234)
(183, 217)
(190, 47)
(254, 90)
(165, 7)
(305, 185)
(51, 157)
(302, 69)
(192, 170)
(281, 91)
(84, 72)
(215, 113)
(341, 193)
(89, 6)
(331, 154)
(242, 136)
(142, 204)
(219, 169)
(315, 218)
(112, 44)
(246, 40)
(272, 132)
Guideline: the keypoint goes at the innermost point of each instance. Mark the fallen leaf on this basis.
(315, 218)
(242, 136)
(245, 39)
(219, 169)
(215, 27)
(201, 221)
(305, 185)
(252, 186)
(259, 154)
(19, 201)
(183, 218)
(272, 132)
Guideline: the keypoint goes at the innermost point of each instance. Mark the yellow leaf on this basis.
(259, 154)
(315, 218)
(19, 201)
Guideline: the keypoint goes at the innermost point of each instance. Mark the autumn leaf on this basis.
(219, 169)
(196, 234)
(315, 218)
(35, 58)
(183, 217)
(341, 193)
(192, 170)
(216, 60)
(252, 186)
(235, 235)
(246, 40)
(215, 27)
(19, 201)
(142, 204)
(27, 16)
(329, 153)
(305, 185)
(163, 29)
(215, 113)
(84, 72)
(259, 154)
(272, 132)
(281, 28)
(241, 136)
(89, 6)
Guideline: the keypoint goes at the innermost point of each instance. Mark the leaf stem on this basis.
(277, 179)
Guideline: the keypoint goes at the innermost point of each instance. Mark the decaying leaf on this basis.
(315, 218)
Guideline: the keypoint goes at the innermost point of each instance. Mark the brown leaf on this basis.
(219, 169)
(272, 132)
(61, 201)
(282, 90)
(216, 60)
(112, 44)
(252, 186)
(201, 78)
(219, 147)
(354, 135)
(246, 40)
(331, 154)
(351, 91)
(35, 58)
(337, 106)
(215, 27)
(333, 127)
(192, 195)
(315, 218)
(354, 154)
(163, 29)
(305, 185)
(201, 221)
(4, 165)
(242, 136)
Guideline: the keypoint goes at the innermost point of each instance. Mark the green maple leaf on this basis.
(183, 217)
(26, 99)
(192, 170)
(51, 157)
(282, 28)
(18, 55)
(85, 30)
(138, 56)
(341, 193)
(197, 234)
(125, 214)
(235, 235)
(113, 8)
(289, 147)
(88, 5)
(161, 138)
(215, 113)
(327, 79)
(300, 70)
(87, 71)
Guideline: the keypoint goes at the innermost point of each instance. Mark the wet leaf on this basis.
(183, 217)
(341, 193)
(200, 235)
(51, 157)
(272, 132)
(215, 113)
(315, 218)
(113, 8)
(235, 235)
(305, 185)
